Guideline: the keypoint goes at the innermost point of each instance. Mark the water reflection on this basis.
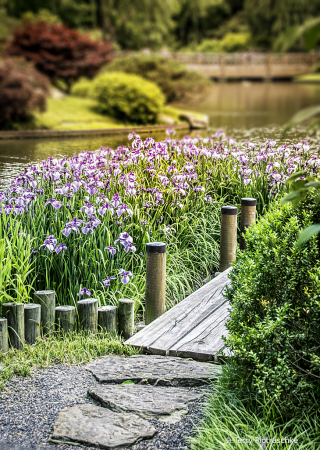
(246, 105)
(255, 111)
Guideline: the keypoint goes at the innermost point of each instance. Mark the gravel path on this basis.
(29, 408)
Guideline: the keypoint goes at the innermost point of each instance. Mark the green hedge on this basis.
(174, 79)
(274, 328)
(128, 97)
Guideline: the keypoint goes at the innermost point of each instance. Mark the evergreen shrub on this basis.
(128, 97)
(174, 79)
(274, 326)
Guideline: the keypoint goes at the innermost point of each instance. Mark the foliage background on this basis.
(135, 24)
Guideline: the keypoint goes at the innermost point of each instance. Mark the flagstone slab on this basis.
(167, 404)
(100, 427)
(154, 370)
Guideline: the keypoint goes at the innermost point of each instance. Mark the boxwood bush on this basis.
(274, 326)
(128, 97)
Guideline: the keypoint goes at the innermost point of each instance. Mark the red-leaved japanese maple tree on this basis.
(59, 52)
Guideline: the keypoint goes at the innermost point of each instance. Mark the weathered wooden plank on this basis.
(173, 325)
(206, 345)
(184, 324)
(204, 334)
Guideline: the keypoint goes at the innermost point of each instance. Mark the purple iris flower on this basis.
(83, 291)
(103, 209)
(122, 208)
(73, 225)
(107, 280)
(50, 243)
(111, 249)
(55, 203)
(85, 230)
(92, 190)
(89, 209)
(59, 248)
(170, 131)
(116, 200)
(125, 276)
(126, 240)
(62, 190)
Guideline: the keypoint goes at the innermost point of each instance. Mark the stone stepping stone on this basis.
(99, 427)
(167, 404)
(154, 369)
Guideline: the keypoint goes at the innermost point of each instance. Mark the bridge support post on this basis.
(155, 281)
(248, 216)
(228, 236)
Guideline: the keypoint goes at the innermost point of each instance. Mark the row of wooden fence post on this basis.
(22, 322)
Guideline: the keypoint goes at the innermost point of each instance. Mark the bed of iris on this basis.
(80, 225)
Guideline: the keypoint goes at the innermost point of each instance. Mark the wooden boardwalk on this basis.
(191, 329)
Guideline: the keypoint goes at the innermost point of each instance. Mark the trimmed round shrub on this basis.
(128, 97)
(174, 79)
(82, 88)
(274, 326)
(22, 90)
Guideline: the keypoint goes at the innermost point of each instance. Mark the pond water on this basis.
(255, 111)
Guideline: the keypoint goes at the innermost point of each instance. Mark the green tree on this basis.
(137, 23)
(75, 13)
(267, 19)
(196, 18)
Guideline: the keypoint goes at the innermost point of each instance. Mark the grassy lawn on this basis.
(309, 78)
(70, 348)
(75, 113)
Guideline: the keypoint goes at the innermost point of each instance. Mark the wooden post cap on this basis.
(64, 308)
(44, 292)
(87, 301)
(229, 210)
(248, 202)
(156, 247)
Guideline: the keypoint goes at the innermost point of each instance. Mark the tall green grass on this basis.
(234, 421)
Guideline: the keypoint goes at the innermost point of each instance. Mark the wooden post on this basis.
(107, 318)
(155, 297)
(228, 236)
(47, 300)
(32, 320)
(248, 216)
(88, 314)
(4, 336)
(65, 318)
(14, 313)
(126, 317)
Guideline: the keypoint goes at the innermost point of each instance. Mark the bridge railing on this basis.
(239, 58)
